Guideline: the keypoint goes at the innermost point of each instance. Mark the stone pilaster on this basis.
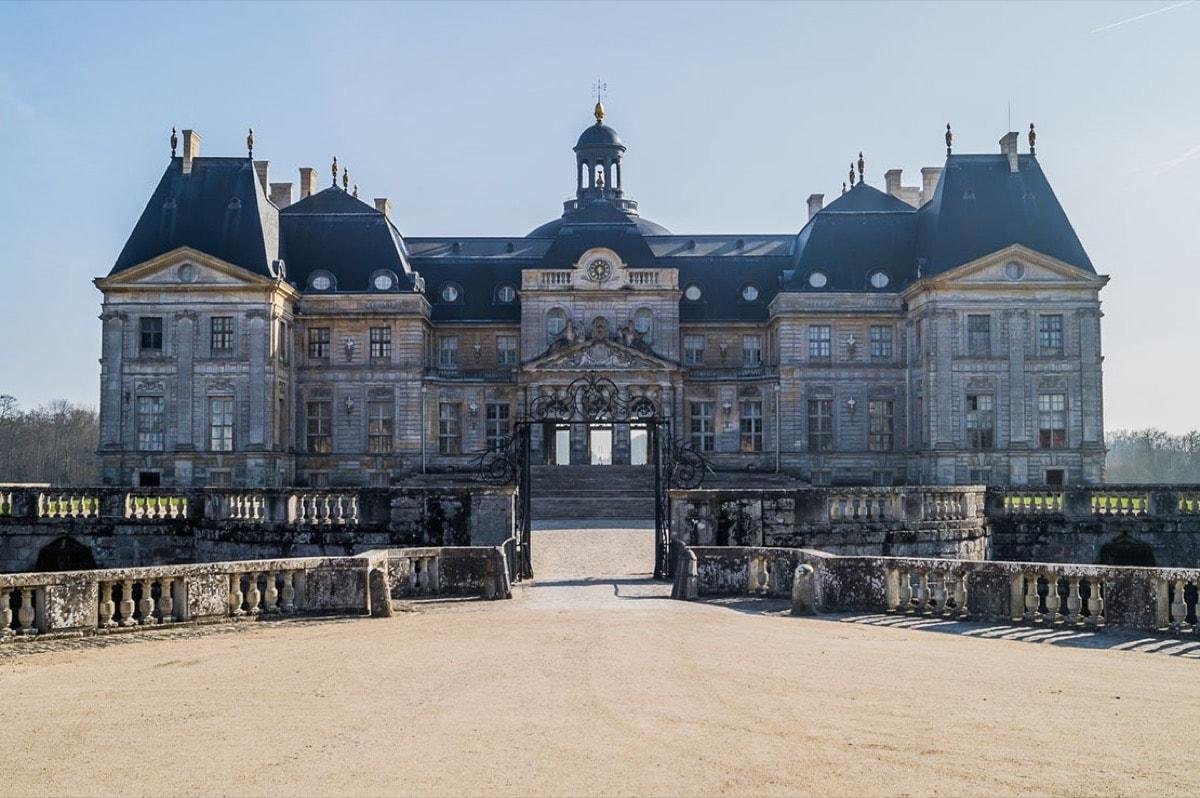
(185, 337)
(111, 365)
(259, 346)
(1018, 421)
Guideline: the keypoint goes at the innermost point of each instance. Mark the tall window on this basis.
(881, 342)
(820, 342)
(702, 429)
(556, 322)
(751, 350)
(1050, 334)
(449, 428)
(752, 425)
(981, 421)
(643, 323)
(448, 351)
(381, 425)
(693, 350)
(381, 343)
(151, 329)
(1052, 420)
(220, 423)
(150, 423)
(506, 350)
(880, 425)
(282, 341)
(497, 423)
(820, 425)
(320, 430)
(979, 336)
(318, 343)
(220, 336)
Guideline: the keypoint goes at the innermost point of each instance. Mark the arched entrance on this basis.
(1127, 551)
(65, 554)
(596, 404)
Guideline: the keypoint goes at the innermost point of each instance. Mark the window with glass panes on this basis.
(881, 341)
(693, 350)
(820, 425)
(1052, 420)
(751, 413)
(220, 337)
(448, 351)
(381, 425)
(496, 420)
(220, 423)
(381, 343)
(979, 335)
(506, 350)
(880, 425)
(703, 431)
(751, 350)
(151, 333)
(981, 421)
(449, 428)
(319, 429)
(318, 342)
(1050, 334)
(820, 342)
(150, 423)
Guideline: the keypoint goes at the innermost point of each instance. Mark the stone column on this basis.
(111, 363)
(259, 384)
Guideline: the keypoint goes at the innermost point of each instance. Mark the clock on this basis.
(599, 270)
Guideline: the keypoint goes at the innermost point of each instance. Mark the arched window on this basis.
(506, 293)
(556, 322)
(643, 323)
(749, 292)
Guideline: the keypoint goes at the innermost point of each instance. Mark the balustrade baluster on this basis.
(235, 594)
(146, 605)
(1074, 601)
(960, 595)
(26, 614)
(1095, 602)
(1032, 601)
(1178, 608)
(326, 513)
(939, 593)
(6, 613)
(288, 594)
(166, 601)
(905, 590)
(271, 595)
(423, 581)
(107, 608)
(414, 575)
(1053, 601)
(126, 606)
(922, 590)
(252, 595)
(354, 509)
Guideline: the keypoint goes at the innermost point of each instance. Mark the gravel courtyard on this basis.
(592, 682)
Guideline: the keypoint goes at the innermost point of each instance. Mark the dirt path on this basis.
(593, 683)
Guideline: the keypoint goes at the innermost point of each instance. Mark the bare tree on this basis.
(55, 443)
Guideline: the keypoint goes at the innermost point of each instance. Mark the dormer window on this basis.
(506, 294)
(450, 293)
(749, 293)
(818, 279)
(321, 281)
(879, 279)
(692, 293)
(383, 281)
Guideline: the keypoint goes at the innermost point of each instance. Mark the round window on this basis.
(1014, 270)
(818, 279)
(450, 292)
(692, 293)
(383, 282)
(879, 280)
(322, 282)
(749, 293)
(506, 294)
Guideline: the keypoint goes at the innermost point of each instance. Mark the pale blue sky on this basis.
(464, 115)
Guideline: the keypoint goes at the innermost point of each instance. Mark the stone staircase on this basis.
(587, 492)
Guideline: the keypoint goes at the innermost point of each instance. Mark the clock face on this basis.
(599, 270)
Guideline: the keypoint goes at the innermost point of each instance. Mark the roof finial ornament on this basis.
(852, 174)
(345, 179)
(600, 90)
(1032, 140)
(949, 138)
(174, 141)
(334, 170)
(861, 166)
(250, 141)
(843, 186)
(355, 195)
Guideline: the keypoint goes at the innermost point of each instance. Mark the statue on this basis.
(628, 335)
(599, 329)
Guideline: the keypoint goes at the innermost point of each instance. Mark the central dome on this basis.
(599, 135)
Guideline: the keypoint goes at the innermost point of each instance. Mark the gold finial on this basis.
(1032, 140)
(345, 178)
(334, 169)
(599, 113)
(600, 90)
(250, 142)
(174, 142)
(852, 174)
(949, 138)
(355, 195)
(861, 166)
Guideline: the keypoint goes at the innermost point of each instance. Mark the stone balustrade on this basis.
(643, 277)
(556, 278)
(67, 505)
(323, 509)
(155, 506)
(6, 503)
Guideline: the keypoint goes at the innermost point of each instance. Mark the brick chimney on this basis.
(281, 195)
(891, 179)
(384, 206)
(308, 181)
(260, 168)
(1008, 147)
(815, 203)
(930, 175)
(191, 149)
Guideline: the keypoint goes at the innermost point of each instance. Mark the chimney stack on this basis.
(930, 175)
(260, 168)
(281, 195)
(815, 203)
(308, 181)
(191, 149)
(891, 179)
(1008, 147)
(384, 206)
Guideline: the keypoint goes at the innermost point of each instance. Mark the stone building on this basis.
(946, 333)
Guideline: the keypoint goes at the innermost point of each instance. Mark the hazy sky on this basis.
(464, 115)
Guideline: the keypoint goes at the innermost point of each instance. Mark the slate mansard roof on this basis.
(980, 206)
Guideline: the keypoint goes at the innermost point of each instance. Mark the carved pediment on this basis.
(599, 355)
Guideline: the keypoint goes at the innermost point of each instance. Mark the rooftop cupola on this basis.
(598, 156)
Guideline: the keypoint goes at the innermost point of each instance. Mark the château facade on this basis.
(940, 334)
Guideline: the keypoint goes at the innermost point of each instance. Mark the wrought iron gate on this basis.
(587, 400)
